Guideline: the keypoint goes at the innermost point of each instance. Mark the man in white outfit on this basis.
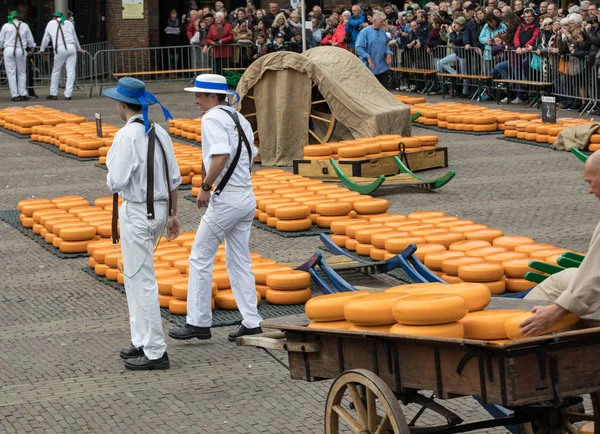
(143, 170)
(65, 44)
(15, 40)
(227, 155)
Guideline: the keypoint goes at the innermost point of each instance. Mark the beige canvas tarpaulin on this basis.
(282, 99)
(576, 136)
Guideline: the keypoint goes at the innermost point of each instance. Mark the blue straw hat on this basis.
(213, 83)
(133, 91)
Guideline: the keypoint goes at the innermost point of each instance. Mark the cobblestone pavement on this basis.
(61, 330)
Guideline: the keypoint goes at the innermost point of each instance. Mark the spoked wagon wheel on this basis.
(322, 121)
(361, 403)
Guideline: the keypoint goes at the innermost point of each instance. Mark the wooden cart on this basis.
(536, 383)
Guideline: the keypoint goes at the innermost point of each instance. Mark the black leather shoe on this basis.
(16, 99)
(52, 97)
(143, 363)
(68, 98)
(131, 352)
(24, 98)
(33, 96)
(189, 331)
(243, 331)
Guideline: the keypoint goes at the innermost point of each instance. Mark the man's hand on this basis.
(173, 227)
(467, 47)
(82, 51)
(544, 318)
(388, 59)
(371, 64)
(203, 198)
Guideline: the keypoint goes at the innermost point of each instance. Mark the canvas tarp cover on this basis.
(282, 100)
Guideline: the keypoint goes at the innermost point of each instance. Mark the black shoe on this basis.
(143, 363)
(32, 95)
(189, 331)
(131, 352)
(52, 97)
(243, 331)
(24, 98)
(68, 98)
(16, 99)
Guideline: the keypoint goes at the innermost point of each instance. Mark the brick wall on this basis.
(132, 33)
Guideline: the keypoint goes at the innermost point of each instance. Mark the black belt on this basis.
(152, 139)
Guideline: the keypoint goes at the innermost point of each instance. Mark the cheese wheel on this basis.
(112, 274)
(378, 240)
(354, 151)
(371, 329)
(225, 299)
(325, 221)
(496, 287)
(38, 200)
(482, 252)
(453, 223)
(317, 150)
(295, 212)
(81, 233)
(425, 249)
(488, 235)
(372, 206)
(360, 224)
(72, 204)
(388, 218)
(164, 300)
(488, 324)
(378, 254)
(351, 244)
(517, 267)
(515, 284)
(434, 261)
(372, 309)
(29, 208)
(424, 215)
(466, 245)
(436, 220)
(540, 255)
(411, 142)
(513, 330)
(407, 225)
(449, 278)
(499, 258)
(450, 265)
(59, 199)
(167, 284)
(467, 228)
(330, 307)
(445, 239)
(100, 269)
(510, 242)
(477, 294)
(37, 215)
(364, 249)
(482, 272)
(299, 296)
(262, 203)
(333, 208)
(588, 428)
(397, 245)
(416, 288)
(178, 307)
(293, 225)
(288, 280)
(429, 309)
(364, 235)
(429, 231)
(262, 290)
(330, 325)
(339, 240)
(450, 330)
(261, 273)
(338, 227)
(221, 278)
(73, 246)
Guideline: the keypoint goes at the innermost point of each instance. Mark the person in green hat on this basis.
(15, 41)
(61, 33)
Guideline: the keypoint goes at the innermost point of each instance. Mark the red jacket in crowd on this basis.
(526, 34)
(225, 36)
(190, 30)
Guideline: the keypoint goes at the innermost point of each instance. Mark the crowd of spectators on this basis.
(491, 29)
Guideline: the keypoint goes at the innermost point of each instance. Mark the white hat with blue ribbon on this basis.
(133, 91)
(213, 83)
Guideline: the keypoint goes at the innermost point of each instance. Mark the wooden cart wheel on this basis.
(249, 111)
(360, 402)
(562, 421)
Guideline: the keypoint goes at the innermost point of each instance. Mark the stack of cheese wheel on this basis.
(318, 152)
(594, 142)
(288, 287)
(189, 161)
(23, 119)
(76, 139)
(327, 311)
(531, 128)
(409, 100)
(189, 129)
(372, 312)
(488, 324)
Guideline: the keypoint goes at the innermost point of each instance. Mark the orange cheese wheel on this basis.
(513, 331)
(453, 223)
(351, 244)
(166, 285)
(164, 300)
(428, 231)
(425, 249)
(436, 220)
(72, 204)
(178, 307)
(330, 325)
(466, 245)
(499, 258)
(517, 267)
(488, 235)
(450, 265)
(330, 307)
(360, 224)
(417, 288)
(450, 330)
(540, 255)
(81, 233)
(388, 218)
(482, 272)
(497, 287)
(378, 240)
(485, 128)
(363, 249)
(29, 208)
(434, 261)
(73, 246)
(338, 227)
(112, 274)
(411, 142)
(38, 200)
(37, 228)
(449, 278)
(429, 309)
(510, 133)
(225, 299)
(288, 280)
(354, 151)
(378, 254)
(482, 252)
(293, 225)
(372, 309)
(339, 240)
(333, 208)
(295, 212)
(478, 295)
(100, 269)
(370, 329)
(325, 221)
(37, 215)
(59, 199)
(27, 222)
(407, 225)
(299, 296)
(317, 150)
(261, 273)
(364, 235)
(221, 278)
(262, 290)
(100, 244)
(488, 324)
(372, 206)
(467, 228)
(423, 215)
(397, 245)
(56, 228)
(262, 203)
(515, 284)
(510, 242)
(445, 239)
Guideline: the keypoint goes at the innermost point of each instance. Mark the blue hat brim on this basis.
(113, 94)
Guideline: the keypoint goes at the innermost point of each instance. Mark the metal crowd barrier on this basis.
(231, 57)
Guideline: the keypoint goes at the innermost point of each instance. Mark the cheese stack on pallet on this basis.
(23, 119)
(536, 131)
(410, 100)
(594, 141)
(189, 160)
(77, 139)
(189, 129)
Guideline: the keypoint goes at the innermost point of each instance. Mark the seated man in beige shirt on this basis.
(573, 290)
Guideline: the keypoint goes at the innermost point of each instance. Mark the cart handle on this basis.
(277, 341)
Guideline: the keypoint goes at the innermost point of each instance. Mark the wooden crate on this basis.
(429, 159)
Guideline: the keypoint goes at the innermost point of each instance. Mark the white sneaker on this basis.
(516, 101)
(504, 100)
(412, 87)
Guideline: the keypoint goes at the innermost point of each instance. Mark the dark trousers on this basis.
(384, 79)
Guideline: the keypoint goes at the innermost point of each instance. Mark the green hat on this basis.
(59, 15)
(12, 16)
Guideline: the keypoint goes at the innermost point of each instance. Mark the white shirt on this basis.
(52, 34)
(8, 36)
(220, 136)
(126, 162)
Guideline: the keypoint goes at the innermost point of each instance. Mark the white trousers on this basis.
(228, 217)
(62, 57)
(138, 236)
(551, 288)
(16, 71)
